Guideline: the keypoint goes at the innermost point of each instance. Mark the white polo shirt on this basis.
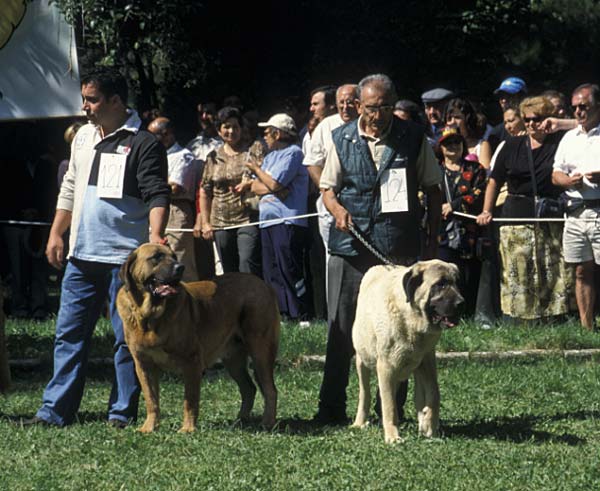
(579, 152)
(321, 140)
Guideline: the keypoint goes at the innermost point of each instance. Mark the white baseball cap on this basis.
(282, 122)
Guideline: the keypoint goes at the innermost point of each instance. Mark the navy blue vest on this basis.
(394, 234)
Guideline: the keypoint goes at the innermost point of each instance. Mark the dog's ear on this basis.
(125, 272)
(411, 281)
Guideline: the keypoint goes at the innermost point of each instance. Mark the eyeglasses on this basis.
(535, 119)
(581, 107)
(375, 109)
(347, 102)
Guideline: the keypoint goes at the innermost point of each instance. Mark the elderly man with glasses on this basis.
(370, 181)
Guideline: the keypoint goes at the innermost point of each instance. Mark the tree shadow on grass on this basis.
(518, 429)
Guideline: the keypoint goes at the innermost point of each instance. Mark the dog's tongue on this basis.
(165, 290)
(449, 323)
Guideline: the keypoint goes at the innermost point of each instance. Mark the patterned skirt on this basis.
(536, 282)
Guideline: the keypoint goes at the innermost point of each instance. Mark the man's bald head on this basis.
(345, 99)
(162, 129)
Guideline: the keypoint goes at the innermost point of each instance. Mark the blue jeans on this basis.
(84, 289)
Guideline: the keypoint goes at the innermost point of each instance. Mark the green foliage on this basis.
(173, 50)
(149, 40)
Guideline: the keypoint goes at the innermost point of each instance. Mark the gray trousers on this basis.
(240, 250)
(345, 274)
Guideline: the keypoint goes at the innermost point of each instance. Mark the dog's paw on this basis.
(187, 429)
(393, 439)
(428, 429)
(360, 424)
(429, 433)
(392, 436)
(146, 429)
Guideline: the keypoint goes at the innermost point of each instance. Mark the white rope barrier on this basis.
(526, 220)
(19, 222)
(252, 224)
(325, 214)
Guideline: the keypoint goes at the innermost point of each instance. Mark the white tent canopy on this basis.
(39, 75)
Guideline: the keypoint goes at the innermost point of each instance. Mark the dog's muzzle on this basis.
(165, 287)
(451, 316)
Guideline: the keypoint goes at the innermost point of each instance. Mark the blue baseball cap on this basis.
(512, 85)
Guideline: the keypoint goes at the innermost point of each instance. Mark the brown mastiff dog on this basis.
(186, 327)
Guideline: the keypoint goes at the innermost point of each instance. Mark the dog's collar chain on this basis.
(378, 254)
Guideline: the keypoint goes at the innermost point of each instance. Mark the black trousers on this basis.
(345, 275)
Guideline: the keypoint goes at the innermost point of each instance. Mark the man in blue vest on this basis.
(370, 182)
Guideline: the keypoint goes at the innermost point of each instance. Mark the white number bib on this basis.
(111, 175)
(394, 195)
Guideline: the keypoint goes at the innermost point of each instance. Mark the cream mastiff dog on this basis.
(399, 319)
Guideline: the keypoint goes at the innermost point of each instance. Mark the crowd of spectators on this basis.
(241, 169)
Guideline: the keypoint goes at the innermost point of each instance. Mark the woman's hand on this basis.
(446, 210)
(484, 218)
(207, 232)
(244, 185)
(197, 231)
(251, 166)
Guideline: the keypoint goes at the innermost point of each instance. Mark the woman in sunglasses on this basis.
(535, 282)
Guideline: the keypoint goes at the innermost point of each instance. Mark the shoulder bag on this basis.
(543, 207)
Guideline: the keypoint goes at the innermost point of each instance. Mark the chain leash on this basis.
(386, 260)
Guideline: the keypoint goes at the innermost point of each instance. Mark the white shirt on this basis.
(201, 146)
(321, 140)
(182, 170)
(579, 152)
(306, 143)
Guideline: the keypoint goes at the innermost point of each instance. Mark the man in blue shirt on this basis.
(282, 183)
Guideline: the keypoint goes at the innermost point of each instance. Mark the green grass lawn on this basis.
(517, 425)
(28, 339)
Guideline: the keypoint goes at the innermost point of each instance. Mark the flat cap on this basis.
(436, 95)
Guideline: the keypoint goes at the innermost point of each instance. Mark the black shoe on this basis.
(118, 424)
(326, 418)
(37, 421)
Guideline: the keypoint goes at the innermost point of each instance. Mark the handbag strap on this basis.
(447, 187)
(531, 169)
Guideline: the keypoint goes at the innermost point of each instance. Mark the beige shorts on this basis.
(581, 238)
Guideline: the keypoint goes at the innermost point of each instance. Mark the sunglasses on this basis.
(581, 107)
(451, 142)
(535, 119)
